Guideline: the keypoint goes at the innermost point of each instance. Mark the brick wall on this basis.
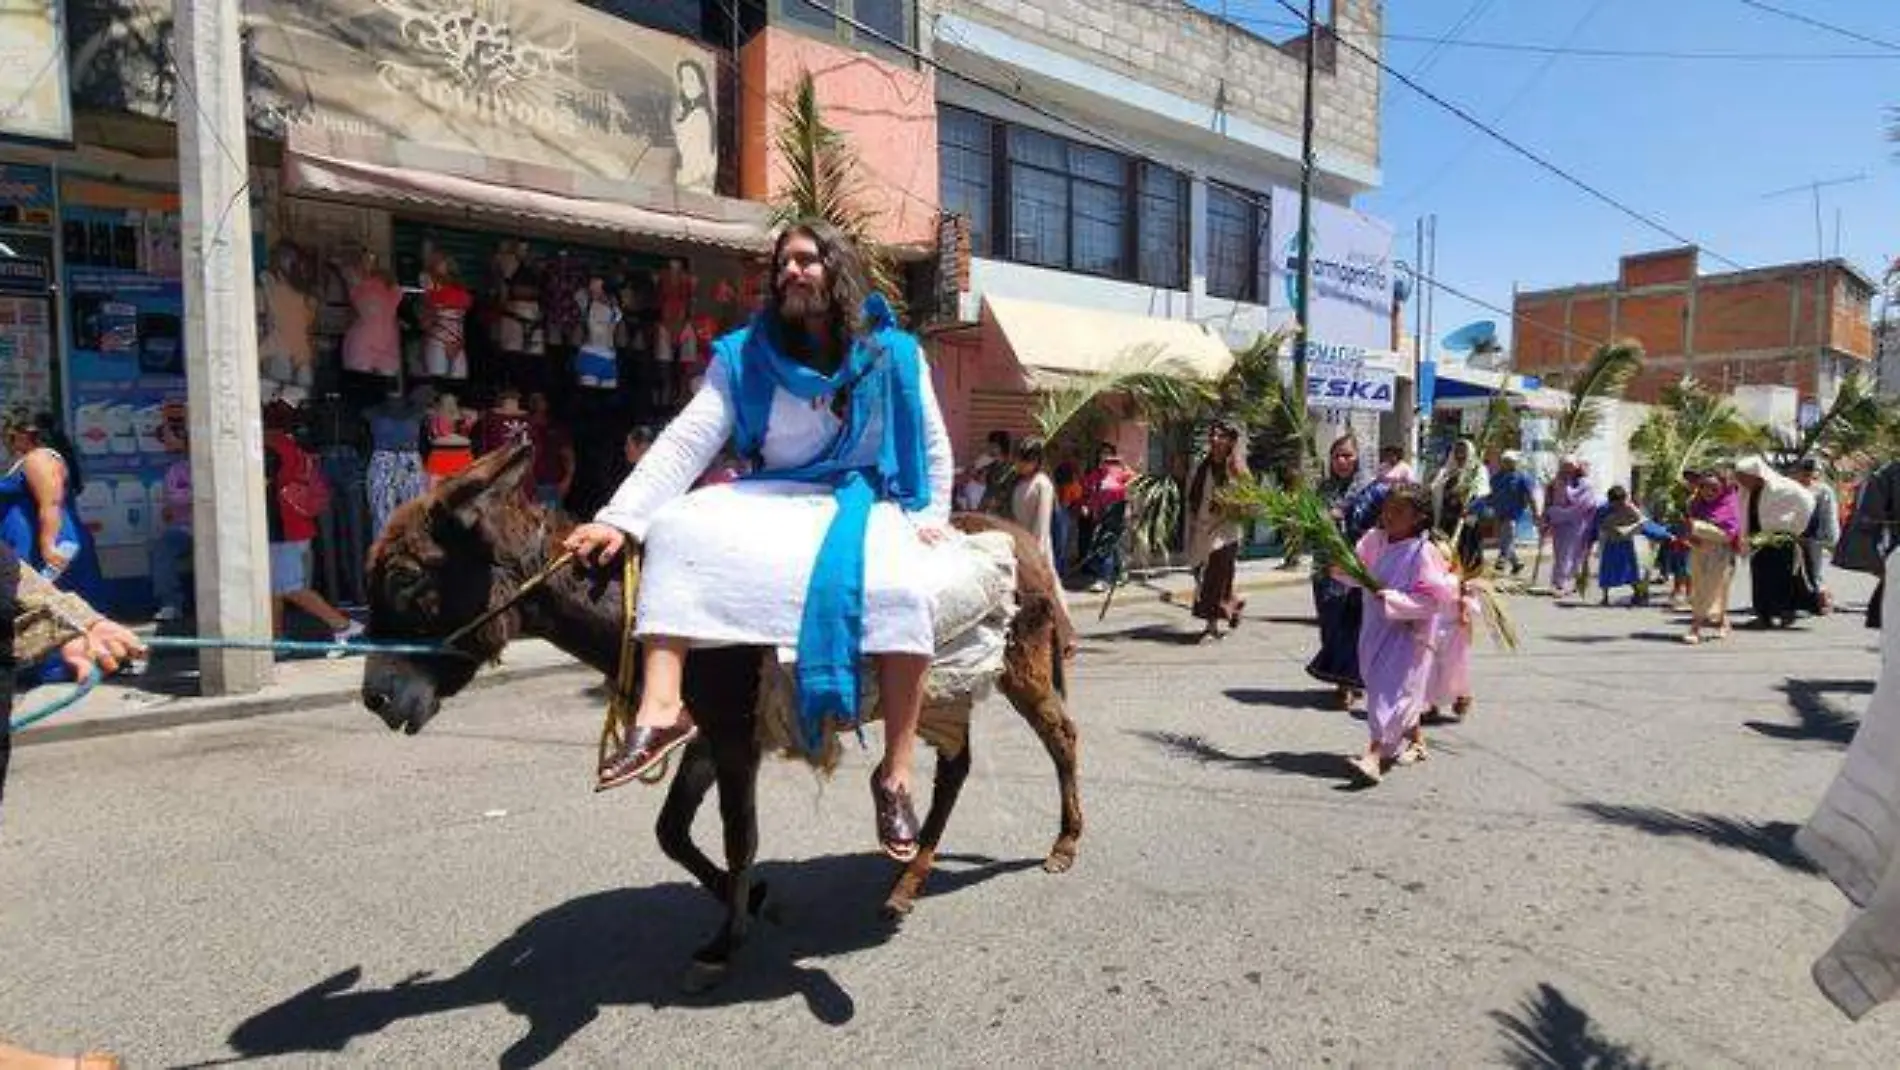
(1174, 47)
(1757, 327)
(1650, 269)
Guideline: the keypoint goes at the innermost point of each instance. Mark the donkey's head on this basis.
(444, 560)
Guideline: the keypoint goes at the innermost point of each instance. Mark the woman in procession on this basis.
(1714, 532)
(1459, 486)
(1354, 502)
(1214, 534)
(1570, 510)
(831, 546)
(1778, 510)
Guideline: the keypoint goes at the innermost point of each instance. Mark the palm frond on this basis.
(1501, 429)
(1303, 521)
(1603, 380)
(1691, 431)
(1161, 385)
(824, 178)
(1154, 514)
(1496, 613)
(1850, 426)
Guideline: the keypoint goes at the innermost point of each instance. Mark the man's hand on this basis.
(595, 543)
(56, 562)
(933, 534)
(107, 643)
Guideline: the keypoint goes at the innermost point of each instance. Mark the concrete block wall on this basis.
(1185, 51)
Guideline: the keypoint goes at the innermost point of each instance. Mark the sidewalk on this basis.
(165, 695)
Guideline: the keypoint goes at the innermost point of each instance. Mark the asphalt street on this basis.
(1594, 871)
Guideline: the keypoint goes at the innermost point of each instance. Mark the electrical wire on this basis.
(1498, 116)
(1468, 20)
(1825, 27)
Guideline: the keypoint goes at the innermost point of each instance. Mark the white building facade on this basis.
(1119, 191)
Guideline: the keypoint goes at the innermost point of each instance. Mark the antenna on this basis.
(1814, 189)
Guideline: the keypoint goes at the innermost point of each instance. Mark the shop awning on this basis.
(1053, 342)
(742, 228)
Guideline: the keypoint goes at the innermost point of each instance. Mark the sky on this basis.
(1695, 144)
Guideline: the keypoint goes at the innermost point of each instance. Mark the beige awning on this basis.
(1052, 342)
(741, 226)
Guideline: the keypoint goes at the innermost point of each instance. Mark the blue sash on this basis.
(883, 375)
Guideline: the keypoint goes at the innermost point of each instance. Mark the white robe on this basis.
(1855, 839)
(729, 564)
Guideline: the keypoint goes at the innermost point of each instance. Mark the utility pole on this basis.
(1821, 276)
(227, 446)
(1303, 299)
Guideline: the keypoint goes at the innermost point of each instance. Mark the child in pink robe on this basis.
(1397, 634)
(1450, 682)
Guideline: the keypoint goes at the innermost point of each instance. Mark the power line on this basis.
(1825, 27)
(1249, 22)
(1533, 156)
(1469, 19)
(1523, 90)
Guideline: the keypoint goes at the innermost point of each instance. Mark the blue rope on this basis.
(297, 646)
(290, 646)
(58, 705)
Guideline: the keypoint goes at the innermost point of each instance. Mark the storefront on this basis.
(538, 220)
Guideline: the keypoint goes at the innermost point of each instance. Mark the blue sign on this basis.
(1427, 386)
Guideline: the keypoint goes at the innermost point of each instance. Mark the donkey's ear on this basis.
(494, 478)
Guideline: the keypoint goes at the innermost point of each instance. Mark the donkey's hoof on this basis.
(897, 908)
(1061, 858)
(703, 976)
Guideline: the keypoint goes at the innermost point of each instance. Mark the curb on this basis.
(183, 712)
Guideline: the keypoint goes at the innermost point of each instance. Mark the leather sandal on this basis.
(644, 755)
(896, 820)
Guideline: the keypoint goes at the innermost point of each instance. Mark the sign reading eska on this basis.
(1350, 386)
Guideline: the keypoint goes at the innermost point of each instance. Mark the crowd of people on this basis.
(1077, 512)
(1402, 642)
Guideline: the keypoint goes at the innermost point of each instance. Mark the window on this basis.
(1161, 236)
(967, 168)
(1035, 198)
(1235, 233)
(886, 21)
(1067, 205)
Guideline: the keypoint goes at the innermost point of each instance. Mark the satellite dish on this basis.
(1474, 338)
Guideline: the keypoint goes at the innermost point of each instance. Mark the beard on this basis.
(799, 303)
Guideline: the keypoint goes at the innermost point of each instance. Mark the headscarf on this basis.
(1459, 485)
(1207, 471)
(1725, 511)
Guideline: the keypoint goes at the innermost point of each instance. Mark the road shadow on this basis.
(1674, 638)
(1289, 698)
(1819, 720)
(1148, 633)
(1549, 1032)
(1584, 640)
(1772, 840)
(1317, 765)
(627, 947)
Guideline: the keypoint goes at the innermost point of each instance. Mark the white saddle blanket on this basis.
(972, 616)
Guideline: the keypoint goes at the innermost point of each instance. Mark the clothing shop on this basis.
(454, 254)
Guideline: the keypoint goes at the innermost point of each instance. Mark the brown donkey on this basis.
(470, 544)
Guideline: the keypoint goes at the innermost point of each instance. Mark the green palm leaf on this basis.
(1162, 386)
(1604, 379)
(1692, 430)
(824, 178)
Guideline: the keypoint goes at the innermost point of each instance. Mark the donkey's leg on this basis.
(1029, 681)
(736, 755)
(951, 773)
(683, 800)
